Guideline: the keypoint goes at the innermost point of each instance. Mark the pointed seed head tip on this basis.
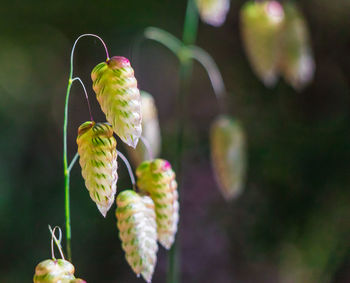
(103, 210)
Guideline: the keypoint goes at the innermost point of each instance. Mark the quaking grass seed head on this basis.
(116, 90)
(138, 232)
(213, 12)
(261, 25)
(157, 179)
(297, 64)
(54, 271)
(98, 161)
(228, 155)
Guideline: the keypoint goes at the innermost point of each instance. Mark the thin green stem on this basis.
(127, 164)
(71, 164)
(86, 95)
(188, 38)
(66, 173)
(66, 170)
(191, 24)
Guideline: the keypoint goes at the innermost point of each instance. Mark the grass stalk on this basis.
(188, 38)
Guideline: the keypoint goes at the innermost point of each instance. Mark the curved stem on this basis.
(212, 70)
(65, 124)
(165, 38)
(74, 45)
(86, 95)
(127, 164)
(185, 53)
(147, 146)
(57, 242)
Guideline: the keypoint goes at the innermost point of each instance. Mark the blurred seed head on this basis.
(228, 155)
(213, 12)
(261, 26)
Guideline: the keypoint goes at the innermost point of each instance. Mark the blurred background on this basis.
(291, 223)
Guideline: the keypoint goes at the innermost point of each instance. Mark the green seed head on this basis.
(261, 26)
(228, 155)
(297, 63)
(54, 271)
(213, 12)
(138, 232)
(157, 179)
(98, 161)
(116, 89)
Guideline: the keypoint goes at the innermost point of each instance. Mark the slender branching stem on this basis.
(66, 171)
(147, 146)
(57, 241)
(71, 164)
(74, 45)
(187, 53)
(127, 164)
(86, 95)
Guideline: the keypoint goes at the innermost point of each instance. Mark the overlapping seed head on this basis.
(297, 62)
(261, 25)
(213, 12)
(157, 178)
(150, 130)
(116, 89)
(228, 155)
(138, 232)
(55, 271)
(98, 161)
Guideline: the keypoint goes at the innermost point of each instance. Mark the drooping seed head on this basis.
(261, 25)
(228, 155)
(116, 89)
(138, 232)
(213, 12)
(297, 63)
(157, 178)
(98, 161)
(54, 271)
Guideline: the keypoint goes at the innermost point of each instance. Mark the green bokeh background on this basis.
(291, 224)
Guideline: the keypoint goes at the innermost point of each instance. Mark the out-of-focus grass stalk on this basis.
(186, 51)
(188, 38)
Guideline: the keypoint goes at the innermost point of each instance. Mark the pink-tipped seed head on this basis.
(118, 62)
(275, 11)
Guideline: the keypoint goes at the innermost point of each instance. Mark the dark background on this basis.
(291, 224)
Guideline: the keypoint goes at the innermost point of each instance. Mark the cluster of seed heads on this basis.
(150, 214)
(142, 218)
(277, 42)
